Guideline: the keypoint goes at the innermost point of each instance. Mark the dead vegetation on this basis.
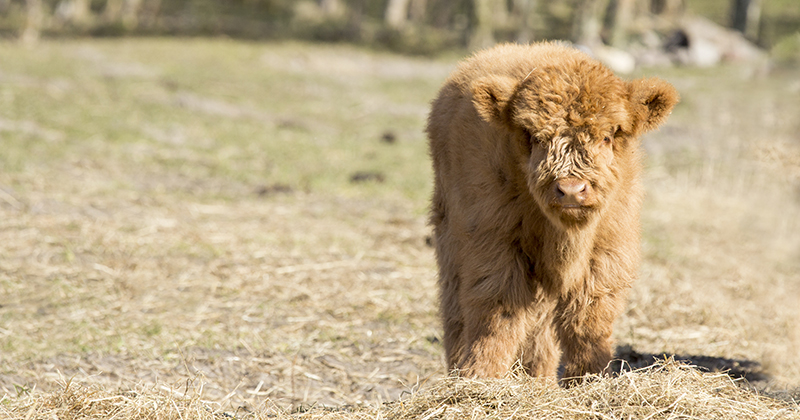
(165, 260)
(667, 389)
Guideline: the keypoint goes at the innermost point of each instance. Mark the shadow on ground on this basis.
(629, 359)
(748, 373)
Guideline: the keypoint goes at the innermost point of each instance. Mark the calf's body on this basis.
(535, 207)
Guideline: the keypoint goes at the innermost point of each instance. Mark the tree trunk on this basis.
(332, 8)
(483, 32)
(623, 12)
(74, 12)
(446, 13)
(418, 10)
(130, 13)
(149, 11)
(525, 11)
(112, 11)
(747, 17)
(33, 22)
(588, 21)
(396, 13)
(500, 16)
(125, 12)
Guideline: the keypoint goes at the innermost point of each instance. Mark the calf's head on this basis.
(576, 127)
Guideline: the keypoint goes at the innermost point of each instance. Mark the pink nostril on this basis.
(571, 190)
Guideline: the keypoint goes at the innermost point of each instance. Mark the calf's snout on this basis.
(571, 192)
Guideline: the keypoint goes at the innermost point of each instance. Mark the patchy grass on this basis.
(197, 227)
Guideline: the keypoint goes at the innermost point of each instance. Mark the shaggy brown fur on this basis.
(536, 206)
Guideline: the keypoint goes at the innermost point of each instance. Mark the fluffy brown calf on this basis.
(536, 206)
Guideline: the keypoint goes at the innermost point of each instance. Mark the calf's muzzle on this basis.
(571, 192)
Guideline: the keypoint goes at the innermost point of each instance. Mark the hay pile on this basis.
(76, 401)
(666, 390)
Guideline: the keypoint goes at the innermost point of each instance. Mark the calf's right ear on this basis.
(490, 97)
(652, 100)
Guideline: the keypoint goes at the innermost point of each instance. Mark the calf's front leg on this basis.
(493, 335)
(585, 326)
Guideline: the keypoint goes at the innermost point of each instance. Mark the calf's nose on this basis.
(571, 191)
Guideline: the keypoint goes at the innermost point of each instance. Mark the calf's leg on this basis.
(493, 335)
(585, 325)
(540, 352)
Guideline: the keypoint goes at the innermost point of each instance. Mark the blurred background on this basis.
(653, 31)
(234, 193)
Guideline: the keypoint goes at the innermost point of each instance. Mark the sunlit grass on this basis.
(187, 208)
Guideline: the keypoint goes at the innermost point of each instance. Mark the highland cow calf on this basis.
(536, 206)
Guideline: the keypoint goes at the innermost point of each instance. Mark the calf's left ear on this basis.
(652, 100)
(490, 96)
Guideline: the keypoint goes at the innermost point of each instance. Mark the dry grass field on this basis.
(223, 229)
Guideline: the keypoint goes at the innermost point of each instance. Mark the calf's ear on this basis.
(652, 100)
(491, 95)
